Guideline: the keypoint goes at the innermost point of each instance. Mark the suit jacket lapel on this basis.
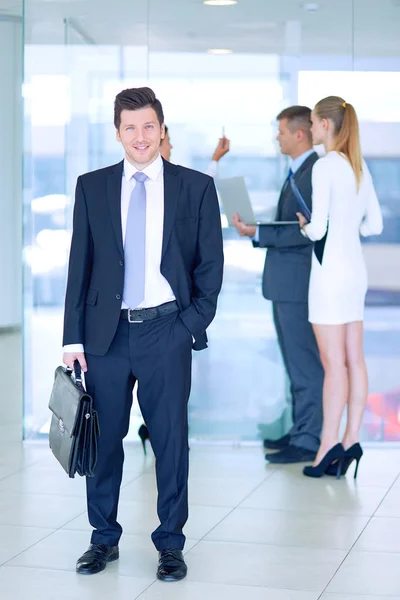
(114, 182)
(172, 183)
(297, 176)
(280, 201)
(305, 165)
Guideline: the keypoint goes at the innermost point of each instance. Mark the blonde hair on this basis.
(346, 129)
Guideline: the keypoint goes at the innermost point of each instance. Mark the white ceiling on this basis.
(365, 27)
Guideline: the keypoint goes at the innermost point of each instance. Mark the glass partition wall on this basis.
(215, 68)
(11, 127)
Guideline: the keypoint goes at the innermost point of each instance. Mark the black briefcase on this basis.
(74, 424)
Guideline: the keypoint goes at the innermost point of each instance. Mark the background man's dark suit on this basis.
(157, 353)
(285, 282)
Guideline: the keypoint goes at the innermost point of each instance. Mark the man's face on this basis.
(166, 147)
(140, 134)
(286, 138)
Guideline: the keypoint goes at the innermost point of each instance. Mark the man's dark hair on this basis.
(166, 129)
(135, 99)
(298, 117)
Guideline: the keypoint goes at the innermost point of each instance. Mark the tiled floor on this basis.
(255, 531)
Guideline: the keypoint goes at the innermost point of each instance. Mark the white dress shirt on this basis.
(157, 288)
(212, 169)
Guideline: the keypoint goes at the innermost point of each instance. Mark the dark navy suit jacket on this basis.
(191, 262)
(288, 262)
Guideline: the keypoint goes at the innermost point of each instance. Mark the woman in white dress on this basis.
(344, 206)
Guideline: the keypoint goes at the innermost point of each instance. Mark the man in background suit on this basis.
(285, 282)
(144, 275)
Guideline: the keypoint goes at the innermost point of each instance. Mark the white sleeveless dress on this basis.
(338, 285)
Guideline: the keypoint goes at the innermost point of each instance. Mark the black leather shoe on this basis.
(171, 565)
(278, 444)
(291, 454)
(95, 559)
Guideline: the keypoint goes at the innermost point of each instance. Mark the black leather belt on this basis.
(138, 315)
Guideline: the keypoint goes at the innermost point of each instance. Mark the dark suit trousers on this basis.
(301, 358)
(158, 355)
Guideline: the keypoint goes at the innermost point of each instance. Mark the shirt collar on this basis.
(296, 163)
(152, 171)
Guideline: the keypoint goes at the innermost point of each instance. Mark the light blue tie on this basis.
(135, 244)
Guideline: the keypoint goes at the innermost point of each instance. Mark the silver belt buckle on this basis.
(130, 310)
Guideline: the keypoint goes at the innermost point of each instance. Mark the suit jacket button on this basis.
(118, 296)
(121, 263)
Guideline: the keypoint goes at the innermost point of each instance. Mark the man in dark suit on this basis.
(285, 282)
(145, 272)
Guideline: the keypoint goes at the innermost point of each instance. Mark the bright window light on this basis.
(220, 2)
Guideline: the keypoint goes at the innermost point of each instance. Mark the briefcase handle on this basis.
(77, 373)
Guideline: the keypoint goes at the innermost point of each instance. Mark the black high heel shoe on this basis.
(143, 433)
(355, 452)
(336, 455)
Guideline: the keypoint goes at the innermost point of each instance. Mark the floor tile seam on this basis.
(386, 495)
(191, 504)
(236, 585)
(380, 552)
(36, 567)
(347, 555)
(36, 493)
(125, 534)
(218, 476)
(302, 483)
(146, 590)
(267, 477)
(328, 594)
(49, 494)
(12, 474)
(234, 480)
(58, 569)
(212, 528)
(55, 530)
(228, 514)
(211, 505)
(272, 545)
(239, 585)
(45, 494)
(13, 525)
(387, 517)
(25, 467)
(305, 513)
(132, 480)
(26, 549)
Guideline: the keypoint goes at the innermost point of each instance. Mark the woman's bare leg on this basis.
(331, 340)
(358, 379)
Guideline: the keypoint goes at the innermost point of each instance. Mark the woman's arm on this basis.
(372, 223)
(316, 229)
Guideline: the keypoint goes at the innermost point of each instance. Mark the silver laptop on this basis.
(235, 199)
